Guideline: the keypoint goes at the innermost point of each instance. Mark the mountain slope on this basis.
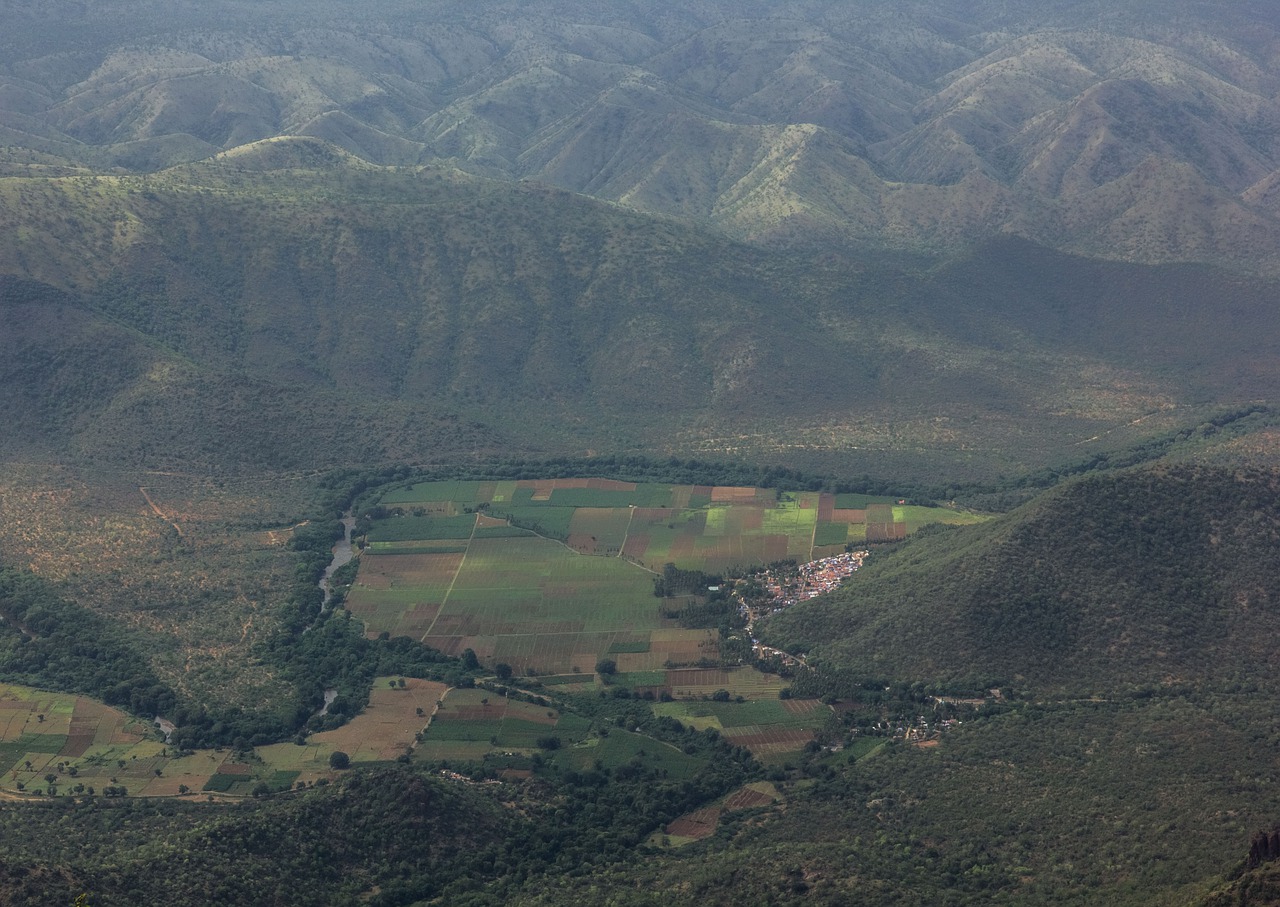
(351, 302)
(1110, 582)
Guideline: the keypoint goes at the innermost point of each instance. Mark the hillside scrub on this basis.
(1108, 582)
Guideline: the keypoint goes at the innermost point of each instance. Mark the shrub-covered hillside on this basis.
(1117, 579)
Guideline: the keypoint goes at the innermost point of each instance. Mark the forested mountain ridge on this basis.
(1147, 133)
(391, 315)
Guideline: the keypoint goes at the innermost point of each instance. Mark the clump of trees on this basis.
(47, 641)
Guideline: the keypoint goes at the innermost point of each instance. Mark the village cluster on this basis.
(784, 587)
(811, 579)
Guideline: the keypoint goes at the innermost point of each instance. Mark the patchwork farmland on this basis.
(62, 744)
(57, 744)
(552, 576)
(772, 729)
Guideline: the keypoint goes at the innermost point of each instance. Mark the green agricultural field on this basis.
(771, 729)
(84, 746)
(423, 528)
(860, 501)
(745, 682)
(554, 575)
(621, 747)
(87, 746)
(472, 724)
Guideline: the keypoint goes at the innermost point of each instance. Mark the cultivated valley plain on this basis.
(552, 576)
(791, 452)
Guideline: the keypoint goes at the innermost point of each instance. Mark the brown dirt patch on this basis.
(166, 786)
(637, 544)
(451, 625)
(77, 745)
(681, 547)
(383, 571)
(699, 824)
(790, 738)
(726, 493)
(697, 677)
(417, 621)
(879, 532)
(610, 485)
(449, 645)
(123, 734)
(746, 798)
(775, 548)
(799, 706)
(542, 488)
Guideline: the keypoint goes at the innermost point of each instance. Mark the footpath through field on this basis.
(445, 600)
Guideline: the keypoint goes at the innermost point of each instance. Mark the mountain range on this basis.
(1145, 133)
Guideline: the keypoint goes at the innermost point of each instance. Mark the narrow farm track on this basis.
(434, 709)
(444, 602)
(631, 518)
(160, 513)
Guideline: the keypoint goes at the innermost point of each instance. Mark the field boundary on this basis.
(452, 582)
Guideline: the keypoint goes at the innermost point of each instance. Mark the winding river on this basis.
(342, 555)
